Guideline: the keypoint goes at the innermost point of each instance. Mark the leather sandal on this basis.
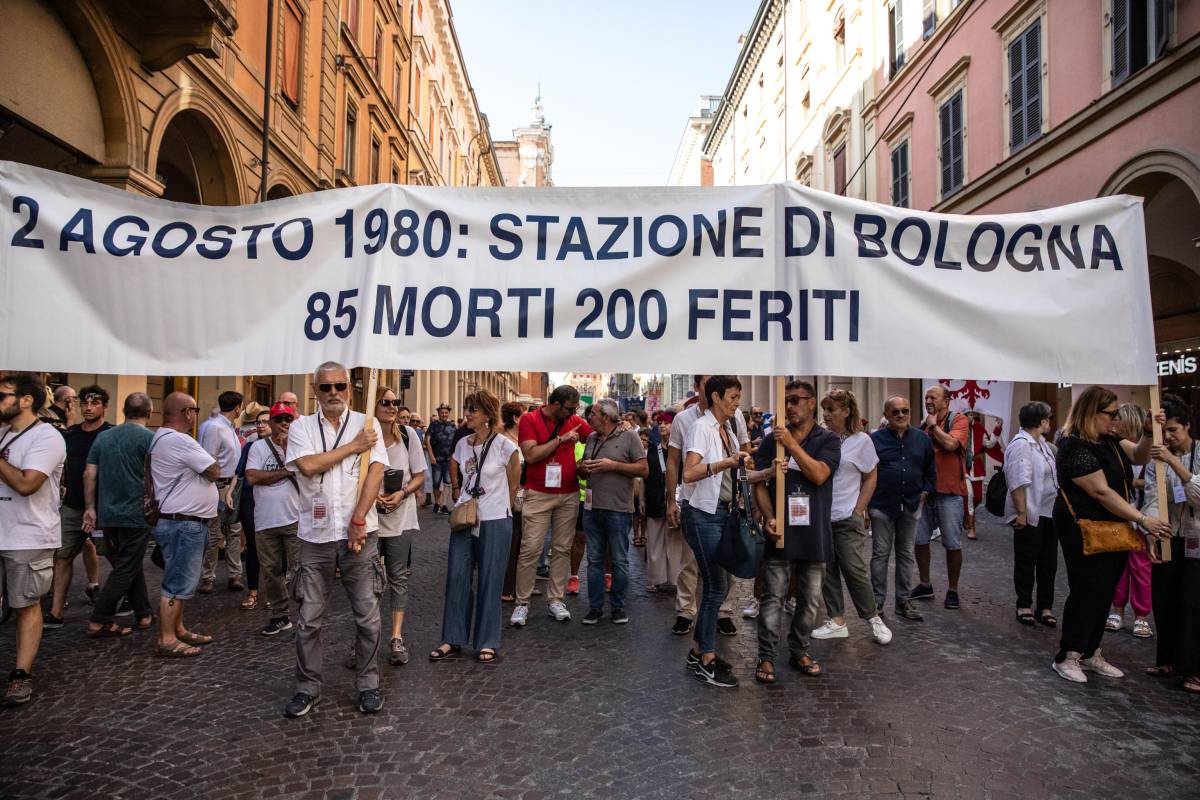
(1048, 619)
(193, 638)
(178, 650)
(439, 654)
(1025, 617)
(765, 672)
(486, 656)
(110, 631)
(812, 669)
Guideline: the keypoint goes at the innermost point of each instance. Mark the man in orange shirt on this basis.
(946, 508)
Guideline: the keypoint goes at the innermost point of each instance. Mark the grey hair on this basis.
(608, 407)
(62, 392)
(329, 366)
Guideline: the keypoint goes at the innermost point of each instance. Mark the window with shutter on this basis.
(896, 35)
(1016, 92)
(928, 18)
(1119, 20)
(900, 175)
(839, 170)
(289, 80)
(1025, 86)
(950, 123)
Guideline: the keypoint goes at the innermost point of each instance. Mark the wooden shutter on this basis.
(1033, 80)
(293, 27)
(900, 176)
(944, 145)
(1120, 39)
(839, 170)
(1016, 92)
(956, 139)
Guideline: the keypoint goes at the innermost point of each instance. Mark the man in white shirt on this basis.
(220, 439)
(276, 514)
(183, 474)
(337, 528)
(678, 494)
(31, 464)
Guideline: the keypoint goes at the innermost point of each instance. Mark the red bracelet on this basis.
(361, 523)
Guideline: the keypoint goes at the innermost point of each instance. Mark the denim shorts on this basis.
(944, 512)
(183, 545)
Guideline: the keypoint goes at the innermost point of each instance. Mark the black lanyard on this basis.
(600, 445)
(324, 447)
(6, 444)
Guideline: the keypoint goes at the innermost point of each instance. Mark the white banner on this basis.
(761, 280)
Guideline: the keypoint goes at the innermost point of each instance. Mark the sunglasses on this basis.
(282, 418)
(794, 399)
(326, 388)
(190, 408)
(389, 403)
(900, 412)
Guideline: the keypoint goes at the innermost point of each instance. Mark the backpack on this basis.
(997, 493)
(969, 449)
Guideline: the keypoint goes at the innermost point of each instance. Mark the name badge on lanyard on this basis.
(587, 499)
(554, 475)
(1191, 546)
(320, 511)
(798, 510)
(1180, 494)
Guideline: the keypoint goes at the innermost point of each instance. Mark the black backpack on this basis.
(997, 493)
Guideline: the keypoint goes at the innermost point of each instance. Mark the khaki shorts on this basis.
(27, 575)
(73, 537)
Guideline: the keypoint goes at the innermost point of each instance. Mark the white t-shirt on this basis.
(340, 484)
(33, 522)
(220, 440)
(277, 504)
(410, 460)
(858, 458)
(681, 427)
(493, 504)
(176, 462)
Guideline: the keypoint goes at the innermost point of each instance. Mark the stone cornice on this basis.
(765, 20)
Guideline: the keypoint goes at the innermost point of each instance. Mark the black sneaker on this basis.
(725, 627)
(300, 705)
(277, 625)
(370, 701)
(124, 609)
(692, 660)
(619, 617)
(922, 591)
(50, 622)
(909, 611)
(716, 673)
(593, 616)
(682, 626)
(951, 599)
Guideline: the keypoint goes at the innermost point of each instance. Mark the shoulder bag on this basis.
(151, 509)
(1107, 536)
(465, 515)
(742, 541)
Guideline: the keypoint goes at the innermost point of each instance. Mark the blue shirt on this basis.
(906, 469)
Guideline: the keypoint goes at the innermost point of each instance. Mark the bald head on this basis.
(898, 411)
(178, 410)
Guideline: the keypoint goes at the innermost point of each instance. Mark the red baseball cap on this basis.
(282, 410)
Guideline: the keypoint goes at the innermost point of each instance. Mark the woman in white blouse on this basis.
(1029, 508)
(398, 511)
(485, 466)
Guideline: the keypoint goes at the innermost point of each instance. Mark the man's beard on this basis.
(8, 415)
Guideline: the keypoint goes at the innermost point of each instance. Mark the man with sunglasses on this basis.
(337, 528)
(947, 505)
(906, 477)
(439, 443)
(276, 514)
(31, 463)
(75, 540)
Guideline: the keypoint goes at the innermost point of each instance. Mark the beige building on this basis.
(527, 160)
(167, 99)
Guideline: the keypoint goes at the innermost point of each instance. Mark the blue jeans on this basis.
(703, 533)
(182, 544)
(489, 552)
(607, 530)
(944, 512)
(441, 473)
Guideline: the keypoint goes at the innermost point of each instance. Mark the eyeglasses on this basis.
(190, 408)
(326, 388)
(282, 418)
(1109, 414)
(389, 403)
(794, 399)
(756, 413)
(571, 409)
(900, 412)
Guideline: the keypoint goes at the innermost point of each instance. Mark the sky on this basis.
(619, 78)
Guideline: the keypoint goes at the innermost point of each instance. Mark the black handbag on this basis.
(742, 541)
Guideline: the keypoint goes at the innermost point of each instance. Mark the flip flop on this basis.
(762, 675)
(178, 650)
(193, 638)
(812, 669)
(1026, 618)
(1048, 619)
(109, 631)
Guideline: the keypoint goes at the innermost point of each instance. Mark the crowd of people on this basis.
(296, 502)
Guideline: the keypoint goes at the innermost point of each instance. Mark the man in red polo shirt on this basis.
(548, 438)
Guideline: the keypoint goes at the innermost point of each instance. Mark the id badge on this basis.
(1191, 546)
(1180, 493)
(320, 512)
(587, 499)
(798, 510)
(554, 475)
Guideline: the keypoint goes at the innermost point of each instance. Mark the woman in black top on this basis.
(1095, 475)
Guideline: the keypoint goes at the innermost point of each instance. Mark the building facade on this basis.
(527, 160)
(167, 99)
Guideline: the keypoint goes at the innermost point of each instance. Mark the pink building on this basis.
(999, 106)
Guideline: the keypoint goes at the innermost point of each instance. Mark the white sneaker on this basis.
(751, 611)
(1098, 665)
(831, 630)
(1113, 623)
(1069, 668)
(559, 611)
(519, 616)
(880, 631)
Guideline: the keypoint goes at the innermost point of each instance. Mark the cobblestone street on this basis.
(962, 705)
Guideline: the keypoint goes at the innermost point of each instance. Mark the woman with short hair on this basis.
(485, 466)
(1094, 468)
(1029, 508)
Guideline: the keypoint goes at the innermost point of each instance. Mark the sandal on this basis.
(812, 669)
(193, 638)
(1192, 684)
(149, 624)
(110, 631)
(1025, 617)
(1048, 619)
(764, 673)
(178, 650)
(486, 656)
(1163, 671)
(439, 654)
(250, 603)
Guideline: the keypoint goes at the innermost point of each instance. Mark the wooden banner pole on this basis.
(1160, 475)
(364, 460)
(780, 489)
